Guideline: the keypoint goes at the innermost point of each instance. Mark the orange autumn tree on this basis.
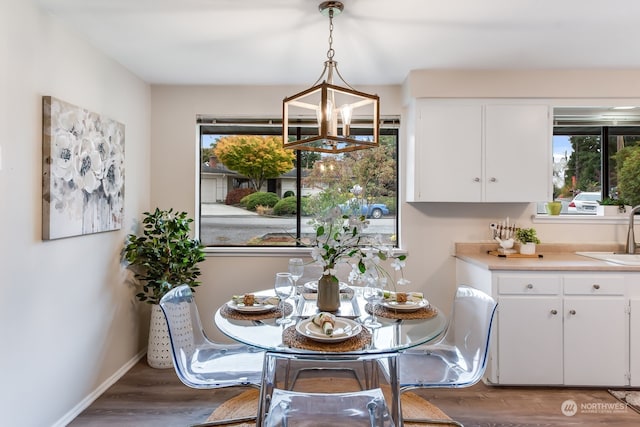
(257, 157)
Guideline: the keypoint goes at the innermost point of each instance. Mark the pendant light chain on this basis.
(330, 52)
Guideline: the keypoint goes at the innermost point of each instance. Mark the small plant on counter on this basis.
(527, 235)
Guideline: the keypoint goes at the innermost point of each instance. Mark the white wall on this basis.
(68, 322)
(428, 230)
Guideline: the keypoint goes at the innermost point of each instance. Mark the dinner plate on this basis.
(313, 286)
(405, 306)
(343, 330)
(255, 308)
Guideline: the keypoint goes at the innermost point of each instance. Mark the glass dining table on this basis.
(402, 326)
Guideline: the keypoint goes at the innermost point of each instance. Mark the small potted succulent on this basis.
(528, 240)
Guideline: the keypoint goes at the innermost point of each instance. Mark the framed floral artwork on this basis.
(83, 171)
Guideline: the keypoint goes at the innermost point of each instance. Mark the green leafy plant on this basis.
(628, 160)
(164, 256)
(527, 235)
(340, 239)
(259, 198)
(613, 202)
(288, 206)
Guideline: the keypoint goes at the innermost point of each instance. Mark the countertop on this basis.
(555, 257)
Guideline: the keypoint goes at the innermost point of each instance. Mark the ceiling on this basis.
(270, 42)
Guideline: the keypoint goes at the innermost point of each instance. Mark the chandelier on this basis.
(330, 114)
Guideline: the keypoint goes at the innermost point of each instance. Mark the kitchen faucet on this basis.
(631, 238)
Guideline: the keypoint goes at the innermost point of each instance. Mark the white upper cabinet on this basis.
(476, 151)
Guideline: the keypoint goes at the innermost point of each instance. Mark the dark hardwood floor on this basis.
(152, 397)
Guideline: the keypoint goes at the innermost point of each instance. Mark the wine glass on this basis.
(296, 268)
(373, 292)
(284, 288)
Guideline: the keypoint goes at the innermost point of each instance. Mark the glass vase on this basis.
(328, 293)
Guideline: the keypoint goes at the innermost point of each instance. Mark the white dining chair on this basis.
(201, 363)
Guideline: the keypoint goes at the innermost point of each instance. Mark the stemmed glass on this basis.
(284, 288)
(296, 268)
(373, 292)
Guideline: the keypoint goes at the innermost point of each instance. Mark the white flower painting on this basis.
(83, 171)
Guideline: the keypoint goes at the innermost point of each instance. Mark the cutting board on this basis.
(516, 255)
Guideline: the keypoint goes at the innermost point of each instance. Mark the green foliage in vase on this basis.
(339, 239)
(164, 256)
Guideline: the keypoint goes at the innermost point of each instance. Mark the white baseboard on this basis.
(89, 399)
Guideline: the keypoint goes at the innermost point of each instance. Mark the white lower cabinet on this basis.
(530, 348)
(560, 328)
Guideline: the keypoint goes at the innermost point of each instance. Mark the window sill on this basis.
(287, 252)
(580, 219)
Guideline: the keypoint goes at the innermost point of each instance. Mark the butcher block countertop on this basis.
(555, 256)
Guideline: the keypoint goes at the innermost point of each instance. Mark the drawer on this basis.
(586, 284)
(529, 285)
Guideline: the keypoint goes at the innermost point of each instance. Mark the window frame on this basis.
(259, 126)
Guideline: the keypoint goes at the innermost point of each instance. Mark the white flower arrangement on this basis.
(339, 239)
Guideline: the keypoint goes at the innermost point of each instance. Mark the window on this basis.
(585, 166)
(246, 202)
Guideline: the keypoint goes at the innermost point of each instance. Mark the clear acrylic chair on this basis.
(459, 359)
(363, 405)
(365, 408)
(201, 363)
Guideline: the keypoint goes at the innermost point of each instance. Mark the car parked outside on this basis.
(585, 202)
(373, 210)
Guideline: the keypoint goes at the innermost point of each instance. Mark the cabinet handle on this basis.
(596, 286)
(492, 179)
(529, 286)
(476, 179)
(554, 312)
(572, 312)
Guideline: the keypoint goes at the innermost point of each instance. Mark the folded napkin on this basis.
(251, 299)
(326, 322)
(403, 296)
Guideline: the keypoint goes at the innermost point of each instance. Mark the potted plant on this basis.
(609, 206)
(162, 258)
(528, 240)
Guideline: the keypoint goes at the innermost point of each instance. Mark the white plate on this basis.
(343, 330)
(313, 286)
(256, 308)
(405, 306)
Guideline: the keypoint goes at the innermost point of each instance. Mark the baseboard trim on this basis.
(89, 399)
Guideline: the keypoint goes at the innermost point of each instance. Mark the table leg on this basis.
(396, 406)
(266, 387)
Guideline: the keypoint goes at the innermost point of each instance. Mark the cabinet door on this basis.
(595, 346)
(530, 340)
(634, 345)
(448, 150)
(518, 164)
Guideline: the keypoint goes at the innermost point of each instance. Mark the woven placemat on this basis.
(230, 313)
(246, 403)
(422, 313)
(293, 339)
